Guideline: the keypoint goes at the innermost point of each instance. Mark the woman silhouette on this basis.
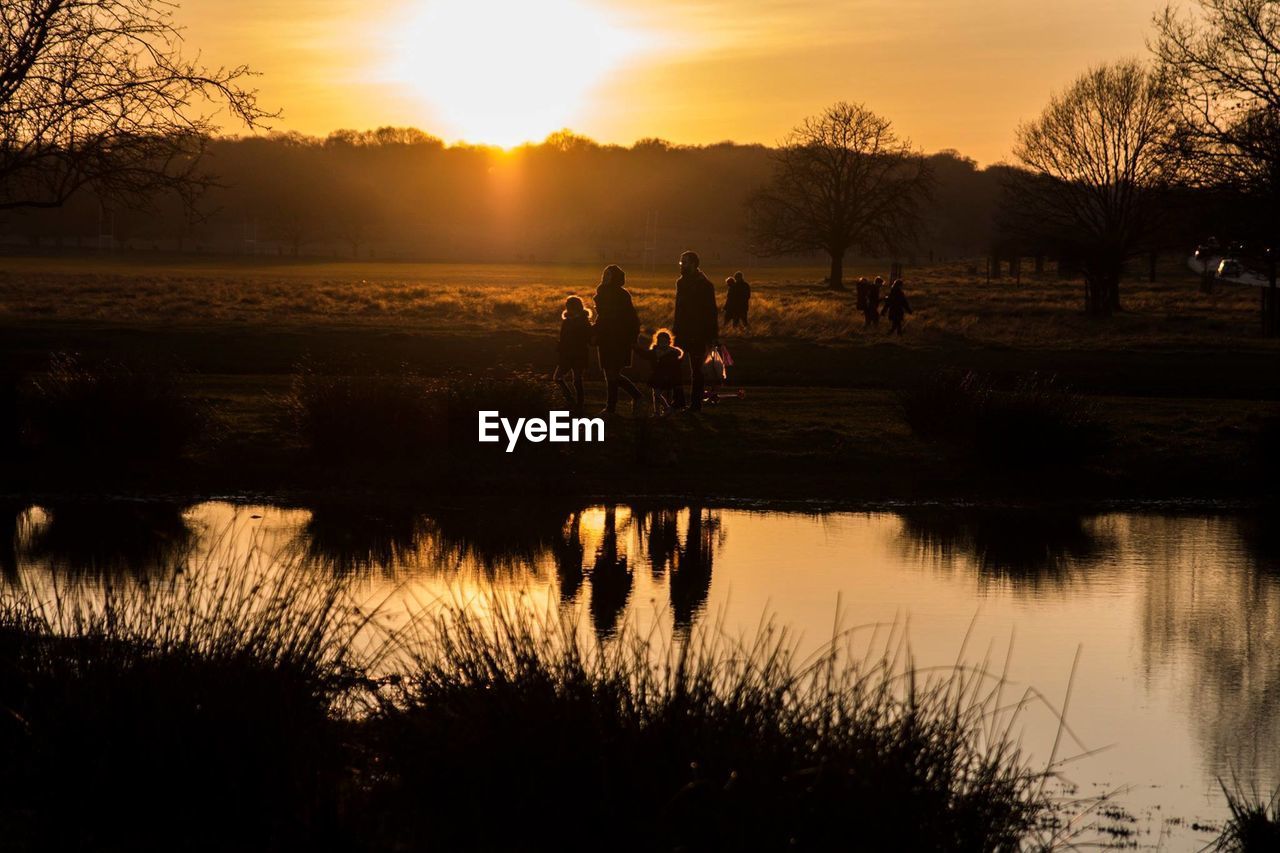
(616, 328)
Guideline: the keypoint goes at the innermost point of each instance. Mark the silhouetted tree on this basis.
(1223, 65)
(1100, 155)
(842, 180)
(98, 93)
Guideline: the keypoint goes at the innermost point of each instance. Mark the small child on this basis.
(573, 349)
(896, 306)
(664, 359)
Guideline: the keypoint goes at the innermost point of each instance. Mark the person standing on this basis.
(737, 303)
(897, 307)
(616, 327)
(696, 324)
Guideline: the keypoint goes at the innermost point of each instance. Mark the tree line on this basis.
(102, 133)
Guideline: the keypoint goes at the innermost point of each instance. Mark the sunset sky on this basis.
(949, 73)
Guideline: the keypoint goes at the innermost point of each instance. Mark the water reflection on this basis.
(347, 539)
(105, 540)
(1020, 546)
(1179, 615)
(1211, 631)
(610, 577)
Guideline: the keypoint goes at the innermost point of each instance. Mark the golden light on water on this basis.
(503, 73)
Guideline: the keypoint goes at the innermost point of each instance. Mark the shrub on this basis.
(110, 412)
(360, 417)
(1032, 421)
(395, 416)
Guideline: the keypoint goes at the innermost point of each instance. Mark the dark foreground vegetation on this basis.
(229, 710)
(1254, 823)
(142, 425)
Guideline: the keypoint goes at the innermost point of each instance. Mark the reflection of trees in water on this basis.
(610, 577)
(1211, 621)
(359, 539)
(495, 537)
(108, 538)
(1027, 547)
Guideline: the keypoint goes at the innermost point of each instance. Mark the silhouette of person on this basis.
(691, 575)
(696, 324)
(661, 537)
(871, 306)
(610, 578)
(572, 350)
(737, 302)
(568, 553)
(896, 306)
(616, 328)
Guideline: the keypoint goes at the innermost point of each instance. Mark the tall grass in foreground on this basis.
(1254, 825)
(697, 745)
(231, 709)
(197, 714)
(1032, 420)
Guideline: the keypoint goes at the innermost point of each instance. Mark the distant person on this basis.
(737, 302)
(664, 374)
(573, 349)
(861, 295)
(871, 306)
(696, 326)
(616, 328)
(897, 307)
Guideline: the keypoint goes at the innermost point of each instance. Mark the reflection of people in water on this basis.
(568, 553)
(691, 575)
(610, 578)
(659, 532)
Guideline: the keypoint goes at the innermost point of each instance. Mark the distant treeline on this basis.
(401, 193)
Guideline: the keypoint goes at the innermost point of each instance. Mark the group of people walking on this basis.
(679, 352)
(895, 305)
(614, 329)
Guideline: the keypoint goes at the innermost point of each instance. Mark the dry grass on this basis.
(951, 302)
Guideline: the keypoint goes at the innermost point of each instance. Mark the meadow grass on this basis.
(952, 301)
(231, 708)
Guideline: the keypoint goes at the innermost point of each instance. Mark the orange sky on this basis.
(949, 73)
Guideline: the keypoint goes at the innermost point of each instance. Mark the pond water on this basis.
(1171, 619)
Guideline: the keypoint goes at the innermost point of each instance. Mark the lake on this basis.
(1170, 617)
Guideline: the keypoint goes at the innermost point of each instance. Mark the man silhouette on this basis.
(696, 325)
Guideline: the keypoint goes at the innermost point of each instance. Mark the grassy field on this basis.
(952, 302)
(1180, 383)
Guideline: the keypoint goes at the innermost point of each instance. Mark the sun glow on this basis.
(502, 72)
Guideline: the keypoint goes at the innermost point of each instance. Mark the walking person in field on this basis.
(737, 302)
(871, 304)
(696, 325)
(897, 307)
(616, 328)
(572, 350)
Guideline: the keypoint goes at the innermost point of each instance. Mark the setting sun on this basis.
(502, 74)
